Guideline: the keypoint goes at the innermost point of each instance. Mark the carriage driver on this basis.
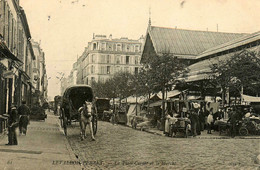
(86, 118)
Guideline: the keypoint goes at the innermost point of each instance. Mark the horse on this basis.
(86, 117)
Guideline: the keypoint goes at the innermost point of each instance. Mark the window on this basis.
(94, 46)
(110, 47)
(136, 70)
(137, 48)
(128, 48)
(92, 69)
(136, 60)
(93, 58)
(108, 69)
(103, 69)
(122, 59)
(108, 58)
(117, 59)
(118, 47)
(103, 46)
(92, 79)
(127, 59)
(102, 59)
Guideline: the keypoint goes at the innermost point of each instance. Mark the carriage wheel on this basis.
(94, 124)
(243, 131)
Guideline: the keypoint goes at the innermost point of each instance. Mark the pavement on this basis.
(44, 147)
(121, 147)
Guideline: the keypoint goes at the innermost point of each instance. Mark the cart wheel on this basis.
(94, 124)
(243, 131)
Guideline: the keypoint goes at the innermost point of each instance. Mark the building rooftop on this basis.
(187, 42)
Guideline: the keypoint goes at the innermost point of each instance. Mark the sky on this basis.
(64, 27)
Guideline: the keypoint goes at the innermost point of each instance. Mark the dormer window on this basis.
(94, 46)
(118, 47)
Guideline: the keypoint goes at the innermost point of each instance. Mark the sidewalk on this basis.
(204, 135)
(44, 147)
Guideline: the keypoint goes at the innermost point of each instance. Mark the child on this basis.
(210, 120)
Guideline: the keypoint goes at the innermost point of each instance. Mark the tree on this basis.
(239, 73)
(162, 73)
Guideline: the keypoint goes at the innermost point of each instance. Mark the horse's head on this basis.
(88, 106)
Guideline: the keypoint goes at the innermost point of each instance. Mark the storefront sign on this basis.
(8, 74)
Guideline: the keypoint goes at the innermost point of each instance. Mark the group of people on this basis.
(18, 117)
(200, 119)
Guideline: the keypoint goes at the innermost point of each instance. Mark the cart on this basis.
(183, 125)
(250, 125)
(223, 126)
(73, 98)
(103, 106)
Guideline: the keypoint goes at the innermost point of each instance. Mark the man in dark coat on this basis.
(12, 125)
(233, 119)
(24, 113)
(194, 123)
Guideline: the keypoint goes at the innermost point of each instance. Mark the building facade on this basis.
(16, 57)
(106, 56)
(40, 80)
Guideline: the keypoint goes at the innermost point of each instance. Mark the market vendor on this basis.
(170, 119)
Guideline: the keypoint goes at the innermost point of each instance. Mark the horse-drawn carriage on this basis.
(73, 99)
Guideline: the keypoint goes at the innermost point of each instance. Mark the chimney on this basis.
(110, 37)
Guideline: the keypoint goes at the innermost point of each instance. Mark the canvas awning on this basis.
(158, 103)
(246, 98)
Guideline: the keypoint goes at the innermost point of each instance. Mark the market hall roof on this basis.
(186, 43)
(201, 70)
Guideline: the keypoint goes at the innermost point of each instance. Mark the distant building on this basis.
(72, 78)
(64, 84)
(106, 56)
(40, 80)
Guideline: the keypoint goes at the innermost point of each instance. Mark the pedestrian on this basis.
(233, 120)
(202, 119)
(210, 121)
(24, 113)
(12, 125)
(194, 122)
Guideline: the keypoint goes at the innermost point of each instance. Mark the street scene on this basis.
(129, 84)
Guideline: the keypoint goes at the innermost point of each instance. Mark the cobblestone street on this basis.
(120, 147)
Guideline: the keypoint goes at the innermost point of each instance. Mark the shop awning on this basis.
(6, 52)
(246, 98)
(158, 103)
